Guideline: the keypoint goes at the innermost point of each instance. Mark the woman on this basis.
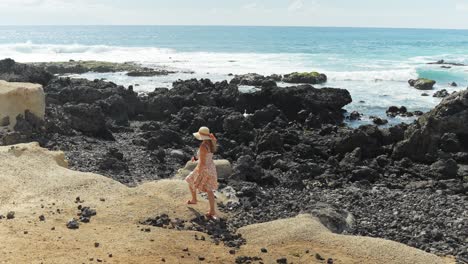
(204, 177)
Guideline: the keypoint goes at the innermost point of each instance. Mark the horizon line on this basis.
(207, 25)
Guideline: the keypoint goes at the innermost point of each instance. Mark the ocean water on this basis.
(373, 64)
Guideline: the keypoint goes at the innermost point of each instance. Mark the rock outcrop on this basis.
(17, 72)
(423, 139)
(422, 83)
(305, 77)
(18, 98)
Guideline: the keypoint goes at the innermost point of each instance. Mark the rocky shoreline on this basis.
(79, 67)
(290, 150)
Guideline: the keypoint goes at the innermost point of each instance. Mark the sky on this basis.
(336, 13)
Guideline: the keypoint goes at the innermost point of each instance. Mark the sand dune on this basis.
(37, 182)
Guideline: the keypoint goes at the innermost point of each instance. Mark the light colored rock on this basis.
(223, 168)
(307, 228)
(15, 98)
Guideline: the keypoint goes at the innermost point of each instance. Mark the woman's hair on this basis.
(213, 145)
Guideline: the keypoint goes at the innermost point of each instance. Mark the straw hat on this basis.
(204, 134)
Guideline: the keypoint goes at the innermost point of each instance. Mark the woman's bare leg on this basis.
(211, 199)
(194, 195)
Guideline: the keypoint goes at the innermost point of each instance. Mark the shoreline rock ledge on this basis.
(20, 99)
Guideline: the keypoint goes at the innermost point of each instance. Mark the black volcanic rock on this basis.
(88, 119)
(305, 77)
(422, 83)
(422, 139)
(254, 79)
(441, 94)
(12, 71)
(325, 103)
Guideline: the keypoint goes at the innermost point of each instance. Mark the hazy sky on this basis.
(352, 13)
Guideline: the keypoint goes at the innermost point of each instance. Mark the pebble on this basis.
(282, 261)
(73, 224)
(10, 215)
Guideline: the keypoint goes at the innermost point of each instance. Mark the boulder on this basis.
(394, 111)
(265, 115)
(441, 94)
(245, 169)
(16, 98)
(305, 77)
(336, 220)
(355, 115)
(445, 169)
(159, 106)
(88, 119)
(269, 141)
(364, 173)
(422, 139)
(422, 83)
(254, 79)
(163, 138)
(379, 121)
(324, 104)
(449, 142)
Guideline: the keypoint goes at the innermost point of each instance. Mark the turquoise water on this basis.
(373, 64)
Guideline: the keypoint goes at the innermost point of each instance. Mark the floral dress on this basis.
(204, 177)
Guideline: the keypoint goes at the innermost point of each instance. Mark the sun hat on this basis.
(204, 134)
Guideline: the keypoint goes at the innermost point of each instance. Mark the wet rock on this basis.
(441, 94)
(393, 111)
(253, 79)
(305, 77)
(355, 115)
(447, 63)
(453, 84)
(379, 121)
(422, 83)
(149, 73)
